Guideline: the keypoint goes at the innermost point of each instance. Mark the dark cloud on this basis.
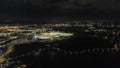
(40, 6)
(36, 8)
(79, 4)
(64, 4)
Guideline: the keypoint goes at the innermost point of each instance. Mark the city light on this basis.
(64, 39)
(51, 35)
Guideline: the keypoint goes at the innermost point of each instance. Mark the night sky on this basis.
(61, 4)
(38, 8)
(79, 4)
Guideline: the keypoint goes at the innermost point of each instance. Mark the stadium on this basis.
(52, 35)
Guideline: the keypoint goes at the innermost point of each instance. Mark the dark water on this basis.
(54, 59)
(83, 42)
(83, 61)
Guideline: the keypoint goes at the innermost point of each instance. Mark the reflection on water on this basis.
(53, 60)
(53, 56)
